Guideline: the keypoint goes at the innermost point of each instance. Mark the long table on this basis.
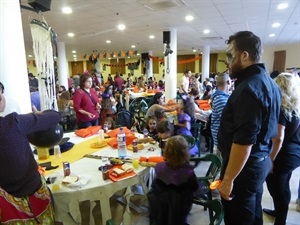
(67, 199)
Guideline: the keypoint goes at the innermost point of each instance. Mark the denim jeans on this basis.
(87, 124)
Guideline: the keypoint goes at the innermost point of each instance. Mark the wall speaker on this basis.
(41, 5)
(145, 56)
(167, 37)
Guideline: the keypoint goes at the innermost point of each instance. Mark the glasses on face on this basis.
(152, 124)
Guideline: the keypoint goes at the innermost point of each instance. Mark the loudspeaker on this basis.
(166, 37)
(42, 5)
(145, 56)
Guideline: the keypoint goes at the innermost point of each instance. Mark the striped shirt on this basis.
(219, 100)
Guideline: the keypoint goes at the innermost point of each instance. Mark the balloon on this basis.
(46, 138)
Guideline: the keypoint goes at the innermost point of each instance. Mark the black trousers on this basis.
(245, 207)
(278, 184)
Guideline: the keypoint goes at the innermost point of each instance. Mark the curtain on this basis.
(279, 61)
(213, 62)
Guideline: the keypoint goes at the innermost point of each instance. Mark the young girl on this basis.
(185, 116)
(151, 127)
(170, 198)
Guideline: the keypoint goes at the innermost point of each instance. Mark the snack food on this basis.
(139, 147)
(69, 180)
(99, 144)
(127, 168)
(117, 172)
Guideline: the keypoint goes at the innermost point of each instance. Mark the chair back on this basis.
(124, 118)
(110, 222)
(216, 207)
(190, 140)
(138, 107)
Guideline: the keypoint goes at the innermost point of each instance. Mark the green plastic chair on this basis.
(110, 222)
(216, 207)
(204, 193)
(190, 140)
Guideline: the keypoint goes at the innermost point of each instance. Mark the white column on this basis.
(62, 64)
(13, 68)
(205, 62)
(150, 67)
(171, 68)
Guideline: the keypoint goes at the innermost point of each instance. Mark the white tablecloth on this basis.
(67, 199)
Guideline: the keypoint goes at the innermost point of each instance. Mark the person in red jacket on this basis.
(86, 103)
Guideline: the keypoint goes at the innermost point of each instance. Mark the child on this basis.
(185, 116)
(110, 123)
(170, 198)
(160, 114)
(151, 127)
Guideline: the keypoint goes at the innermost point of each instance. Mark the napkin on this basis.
(81, 182)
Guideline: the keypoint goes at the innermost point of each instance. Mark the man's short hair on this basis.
(249, 42)
(222, 79)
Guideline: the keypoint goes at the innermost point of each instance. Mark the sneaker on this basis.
(298, 208)
(270, 212)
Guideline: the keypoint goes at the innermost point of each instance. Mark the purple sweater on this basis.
(19, 174)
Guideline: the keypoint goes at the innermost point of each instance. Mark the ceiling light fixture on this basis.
(132, 46)
(283, 6)
(73, 51)
(194, 50)
(29, 56)
(276, 25)
(189, 18)
(271, 35)
(67, 10)
(108, 41)
(206, 31)
(121, 27)
(71, 34)
(151, 36)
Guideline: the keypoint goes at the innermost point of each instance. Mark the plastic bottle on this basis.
(121, 143)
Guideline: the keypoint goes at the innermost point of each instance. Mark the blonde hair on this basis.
(176, 152)
(290, 100)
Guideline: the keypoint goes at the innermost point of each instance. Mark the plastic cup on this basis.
(135, 163)
(55, 187)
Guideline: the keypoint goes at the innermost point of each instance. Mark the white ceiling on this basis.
(95, 21)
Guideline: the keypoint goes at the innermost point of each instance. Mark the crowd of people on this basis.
(254, 126)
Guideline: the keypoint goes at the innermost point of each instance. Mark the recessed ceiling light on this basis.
(108, 41)
(109, 58)
(206, 31)
(121, 27)
(75, 58)
(71, 34)
(137, 53)
(73, 51)
(194, 50)
(151, 36)
(132, 46)
(276, 25)
(271, 35)
(189, 18)
(66, 10)
(282, 6)
(29, 56)
(54, 57)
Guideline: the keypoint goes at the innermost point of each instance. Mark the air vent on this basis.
(212, 38)
(156, 5)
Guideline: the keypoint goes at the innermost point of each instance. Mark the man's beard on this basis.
(235, 69)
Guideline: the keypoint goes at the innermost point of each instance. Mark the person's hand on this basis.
(271, 171)
(225, 189)
(90, 115)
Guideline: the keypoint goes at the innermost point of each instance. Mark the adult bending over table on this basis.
(24, 196)
(158, 103)
(86, 103)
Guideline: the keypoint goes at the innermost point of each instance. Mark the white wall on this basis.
(292, 55)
